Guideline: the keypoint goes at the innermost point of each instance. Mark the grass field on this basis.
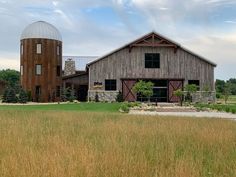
(91, 107)
(81, 144)
(231, 100)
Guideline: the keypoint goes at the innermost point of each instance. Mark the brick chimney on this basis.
(69, 67)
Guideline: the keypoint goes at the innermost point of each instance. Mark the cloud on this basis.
(205, 26)
(230, 21)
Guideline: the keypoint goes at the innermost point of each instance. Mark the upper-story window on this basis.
(39, 48)
(194, 82)
(38, 69)
(58, 50)
(152, 60)
(21, 70)
(21, 49)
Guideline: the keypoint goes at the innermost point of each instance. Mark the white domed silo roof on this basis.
(41, 29)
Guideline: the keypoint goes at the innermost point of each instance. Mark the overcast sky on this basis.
(95, 27)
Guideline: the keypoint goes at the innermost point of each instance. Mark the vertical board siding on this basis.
(179, 65)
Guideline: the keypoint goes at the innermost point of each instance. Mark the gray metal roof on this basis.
(80, 61)
(41, 29)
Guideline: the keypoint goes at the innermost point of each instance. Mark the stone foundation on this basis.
(204, 97)
(110, 96)
(103, 96)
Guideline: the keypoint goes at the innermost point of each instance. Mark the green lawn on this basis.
(231, 100)
(89, 107)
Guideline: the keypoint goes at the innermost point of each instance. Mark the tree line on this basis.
(225, 87)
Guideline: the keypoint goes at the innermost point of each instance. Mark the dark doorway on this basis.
(37, 93)
(82, 93)
(160, 93)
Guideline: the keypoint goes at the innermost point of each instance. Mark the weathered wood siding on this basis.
(125, 64)
(49, 59)
(78, 80)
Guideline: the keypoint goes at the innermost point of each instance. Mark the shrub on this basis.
(218, 95)
(23, 97)
(11, 96)
(68, 94)
(119, 97)
(125, 107)
(227, 109)
(233, 111)
(96, 97)
(4, 97)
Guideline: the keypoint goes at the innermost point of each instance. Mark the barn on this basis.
(152, 57)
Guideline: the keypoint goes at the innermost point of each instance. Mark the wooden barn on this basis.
(152, 57)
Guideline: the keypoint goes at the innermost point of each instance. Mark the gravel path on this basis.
(187, 114)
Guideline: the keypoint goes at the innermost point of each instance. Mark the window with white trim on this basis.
(21, 49)
(58, 50)
(39, 48)
(38, 69)
(21, 70)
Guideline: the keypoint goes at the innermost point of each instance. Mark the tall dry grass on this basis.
(71, 144)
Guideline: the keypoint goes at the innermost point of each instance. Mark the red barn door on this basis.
(173, 86)
(128, 94)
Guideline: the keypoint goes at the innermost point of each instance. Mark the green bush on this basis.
(233, 111)
(4, 97)
(23, 97)
(218, 95)
(227, 109)
(119, 97)
(125, 107)
(11, 96)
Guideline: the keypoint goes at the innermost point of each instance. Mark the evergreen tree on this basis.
(11, 96)
(23, 97)
(4, 97)
(68, 94)
(119, 97)
(72, 95)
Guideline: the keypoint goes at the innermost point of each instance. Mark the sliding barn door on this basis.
(173, 86)
(128, 94)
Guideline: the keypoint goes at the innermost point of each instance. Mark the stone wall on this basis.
(108, 96)
(204, 97)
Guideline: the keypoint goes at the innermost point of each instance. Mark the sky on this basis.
(96, 27)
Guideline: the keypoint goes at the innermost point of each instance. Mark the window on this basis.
(194, 82)
(38, 69)
(21, 70)
(58, 50)
(152, 60)
(58, 70)
(58, 91)
(39, 49)
(21, 49)
(110, 84)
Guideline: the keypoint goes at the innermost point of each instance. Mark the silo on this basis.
(41, 61)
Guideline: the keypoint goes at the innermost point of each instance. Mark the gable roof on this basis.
(163, 42)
